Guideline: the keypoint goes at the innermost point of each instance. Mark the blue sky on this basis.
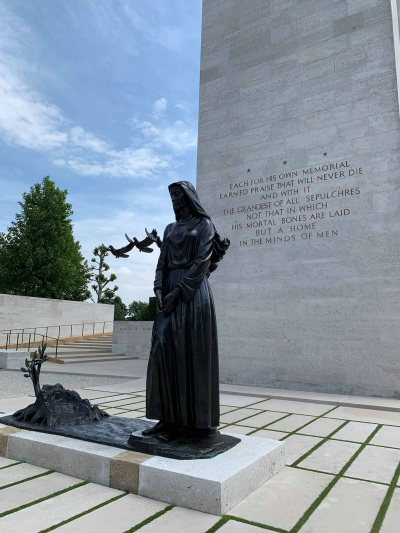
(102, 95)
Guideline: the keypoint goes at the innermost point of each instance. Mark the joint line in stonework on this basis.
(396, 38)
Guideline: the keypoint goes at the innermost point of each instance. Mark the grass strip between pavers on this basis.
(330, 486)
(367, 480)
(148, 520)
(13, 464)
(323, 441)
(308, 423)
(226, 518)
(386, 502)
(269, 423)
(26, 479)
(83, 513)
(35, 502)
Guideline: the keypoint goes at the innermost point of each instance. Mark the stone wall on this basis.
(299, 165)
(132, 338)
(23, 312)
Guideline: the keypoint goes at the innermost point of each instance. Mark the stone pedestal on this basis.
(11, 359)
(210, 485)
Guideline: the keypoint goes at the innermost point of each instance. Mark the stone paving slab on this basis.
(131, 414)
(355, 431)
(387, 436)
(116, 517)
(366, 415)
(238, 527)
(322, 427)
(240, 401)
(269, 434)
(288, 406)
(18, 473)
(26, 492)
(182, 521)
(13, 404)
(351, 507)
(129, 386)
(282, 501)
(130, 402)
(261, 420)
(237, 415)
(291, 423)
(330, 457)
(6, 462)
(392, 518)
(111, 400)
(237, 430)
(55, 510)
(298, 445)
(375, 464)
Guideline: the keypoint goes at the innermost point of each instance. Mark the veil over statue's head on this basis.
(220, 246)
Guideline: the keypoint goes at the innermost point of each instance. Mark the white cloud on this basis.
(178, 137)
(159, 107)
(79, 137)
(28, 120)
(152, 30)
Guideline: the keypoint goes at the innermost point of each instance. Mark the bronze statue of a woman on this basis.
(182, 376)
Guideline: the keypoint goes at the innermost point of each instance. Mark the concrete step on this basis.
(79, 360)
(79, 355)
(71, 348)
(85, 356)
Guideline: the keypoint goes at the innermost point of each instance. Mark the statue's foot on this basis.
(189, 435)
(170, 434)
(160, 427)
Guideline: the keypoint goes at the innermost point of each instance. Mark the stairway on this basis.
(86, 351)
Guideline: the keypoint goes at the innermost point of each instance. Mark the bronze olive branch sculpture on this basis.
(33, 367)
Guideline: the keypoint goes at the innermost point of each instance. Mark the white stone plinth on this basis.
(210, 485)
(213, 485)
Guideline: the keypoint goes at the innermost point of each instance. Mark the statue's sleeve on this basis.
(158, 281)
(191, 281)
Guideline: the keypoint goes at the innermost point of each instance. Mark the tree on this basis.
(39, 255)
(103, 293)
(120, 309)
(138, 311)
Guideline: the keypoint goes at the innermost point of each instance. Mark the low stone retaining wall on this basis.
(132, 338)
(25, 312)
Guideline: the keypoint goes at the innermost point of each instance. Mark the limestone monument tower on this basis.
(299, 165)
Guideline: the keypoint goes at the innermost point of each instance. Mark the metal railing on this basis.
(28, 335)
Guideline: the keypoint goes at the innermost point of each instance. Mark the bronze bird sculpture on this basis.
(143, 245)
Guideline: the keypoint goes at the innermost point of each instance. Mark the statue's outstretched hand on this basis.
(171, 300)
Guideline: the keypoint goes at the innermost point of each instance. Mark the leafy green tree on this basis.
(138, 311)
(103, 293)
(39, 255)
(120, 309)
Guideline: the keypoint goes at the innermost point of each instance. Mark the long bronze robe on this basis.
(182, 375)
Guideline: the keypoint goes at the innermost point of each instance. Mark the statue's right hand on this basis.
(160, 306)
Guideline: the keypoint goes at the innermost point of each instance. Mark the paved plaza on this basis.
(342, 473)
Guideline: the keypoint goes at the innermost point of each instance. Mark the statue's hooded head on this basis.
(192, 200)
(220, 246)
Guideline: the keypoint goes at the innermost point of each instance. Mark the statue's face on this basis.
(178, 198)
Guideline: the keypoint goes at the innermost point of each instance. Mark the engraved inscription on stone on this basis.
(294, 205)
